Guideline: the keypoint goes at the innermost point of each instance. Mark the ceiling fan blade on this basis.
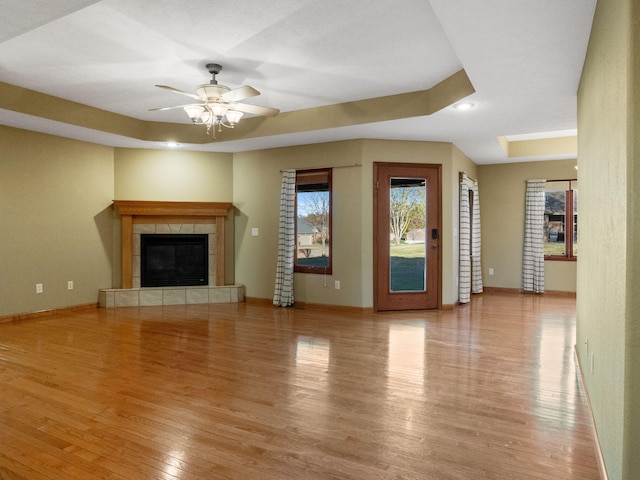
(255, 109)
(239, 93)
(174, 107)
(175, 90)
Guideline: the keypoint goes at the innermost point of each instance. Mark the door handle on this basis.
(435, 245)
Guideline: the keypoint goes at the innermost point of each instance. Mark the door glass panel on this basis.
(408, 235)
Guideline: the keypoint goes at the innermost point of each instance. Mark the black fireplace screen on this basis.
(174, 260)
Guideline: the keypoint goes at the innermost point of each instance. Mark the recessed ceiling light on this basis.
(172, 144)
(464, 106)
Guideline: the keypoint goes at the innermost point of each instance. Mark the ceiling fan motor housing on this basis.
(211, 93)
(220, 105)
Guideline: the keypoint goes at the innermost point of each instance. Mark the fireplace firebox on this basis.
(174, 260)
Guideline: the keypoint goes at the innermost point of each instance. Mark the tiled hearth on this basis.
(141, 297)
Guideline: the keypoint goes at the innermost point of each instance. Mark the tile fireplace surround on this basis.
(138, 217)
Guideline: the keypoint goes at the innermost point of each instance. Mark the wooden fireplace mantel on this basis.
(142, 211)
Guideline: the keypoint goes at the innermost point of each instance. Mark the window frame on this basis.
(300, 177)
(569, 222)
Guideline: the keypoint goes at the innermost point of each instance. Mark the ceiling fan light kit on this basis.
(219, 107)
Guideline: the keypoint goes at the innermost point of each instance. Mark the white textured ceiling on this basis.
(523, 57)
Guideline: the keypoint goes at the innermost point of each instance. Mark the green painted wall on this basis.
(257, 177)
(173, 175)
(631, 458)
(34, 167)
(453, 161)
(55, 197)
(502, 193)
(251, 180)
(256, 192)
(608, 311)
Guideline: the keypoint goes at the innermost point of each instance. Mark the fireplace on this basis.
(139, 218)
(174, 260)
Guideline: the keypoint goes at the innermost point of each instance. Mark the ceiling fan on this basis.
(219, 105)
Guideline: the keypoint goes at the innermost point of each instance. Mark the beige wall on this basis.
(608, 303)
(631, 459)
(256, 189)
(256, 192)
(502, 192)
(173, 175)
(417, 152)
(177, 176)
(55, 197)
(251, 180)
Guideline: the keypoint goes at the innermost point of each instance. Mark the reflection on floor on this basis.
(245, 391)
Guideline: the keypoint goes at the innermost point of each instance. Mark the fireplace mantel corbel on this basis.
(142, 211)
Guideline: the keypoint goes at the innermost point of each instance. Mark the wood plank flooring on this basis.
(245, 391)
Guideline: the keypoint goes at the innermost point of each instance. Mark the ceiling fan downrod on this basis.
(214, 69)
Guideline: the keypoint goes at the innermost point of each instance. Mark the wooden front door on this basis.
(407, 236)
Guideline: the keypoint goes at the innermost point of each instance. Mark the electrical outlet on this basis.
(39, 288)
(70, 285)
(490, 271)
(255, 232)
(336, 284)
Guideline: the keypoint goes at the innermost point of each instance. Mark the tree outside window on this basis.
(313, 221)
(407, 226)
(407, 208)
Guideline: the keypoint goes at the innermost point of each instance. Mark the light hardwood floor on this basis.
(246, 391)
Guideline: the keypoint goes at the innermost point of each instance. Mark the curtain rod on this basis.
(319, 168)
(556, 180)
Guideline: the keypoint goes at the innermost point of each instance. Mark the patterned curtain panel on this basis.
(470, 274)
(533, 252)
(283, 295)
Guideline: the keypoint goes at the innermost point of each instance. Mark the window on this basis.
(561, 220)
(313, 221)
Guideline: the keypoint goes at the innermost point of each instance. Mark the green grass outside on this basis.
(314, 261)
(407, 263)
(557, 248)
